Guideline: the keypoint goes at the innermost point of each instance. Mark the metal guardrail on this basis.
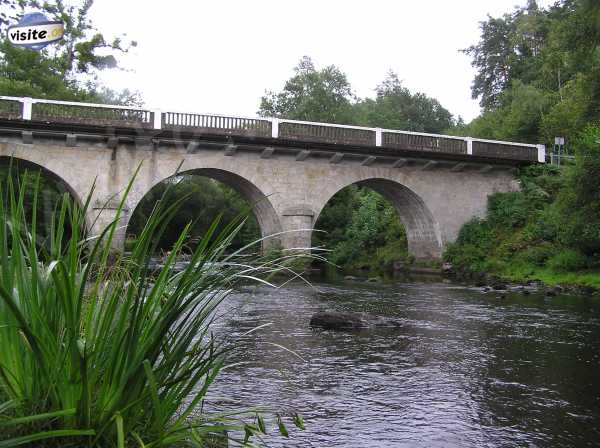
(32, 109)
(424, 142)
(216, 124)
(491, 149)
(11, 109)
(326, 133)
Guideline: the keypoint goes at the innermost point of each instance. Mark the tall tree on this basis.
(538, 72)
(66, 70)
(493, 58)
(317, 95)
(579, 202)
(395, 107)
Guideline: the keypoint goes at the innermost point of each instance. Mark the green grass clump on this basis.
(97, 350)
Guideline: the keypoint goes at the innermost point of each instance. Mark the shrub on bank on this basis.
(551, 226)
(579, 201)
(568, 260)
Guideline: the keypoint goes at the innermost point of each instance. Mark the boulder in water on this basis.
(334, 320)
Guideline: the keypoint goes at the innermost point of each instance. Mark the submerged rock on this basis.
(334, 320)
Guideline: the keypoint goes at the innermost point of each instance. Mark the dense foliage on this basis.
(549, 230)
(326, 96)
(538, 72)
(539, 77)
(362, 230)
(205, 199)
(43, 204)
(66, 71)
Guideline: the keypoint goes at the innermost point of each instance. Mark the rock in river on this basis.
(333, 320)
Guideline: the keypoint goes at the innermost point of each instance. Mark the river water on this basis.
(465, 368)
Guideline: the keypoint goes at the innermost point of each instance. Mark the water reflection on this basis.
(464, 369)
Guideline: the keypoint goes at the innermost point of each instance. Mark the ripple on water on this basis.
(464, 369)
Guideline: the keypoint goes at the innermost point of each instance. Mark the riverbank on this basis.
(524, 278)
(539, 233)
(546, 279)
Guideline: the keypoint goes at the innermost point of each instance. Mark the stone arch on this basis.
(422, 230)
(55, 177)
(28, 164)
(266, 216)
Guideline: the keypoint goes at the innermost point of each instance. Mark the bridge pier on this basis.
(297, 223)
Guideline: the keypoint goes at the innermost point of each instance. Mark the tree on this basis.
(493, 58)
(67, 70)
(518, 117)
(316, 95)
(395, 107)
(539, 77)
(538, 72)
(206, 200)
(580, 199)
(360, 226)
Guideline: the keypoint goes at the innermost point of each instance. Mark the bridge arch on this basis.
(262, 208)
(422, 230)
(22, 163)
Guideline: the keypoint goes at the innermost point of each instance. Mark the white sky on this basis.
(220, 56)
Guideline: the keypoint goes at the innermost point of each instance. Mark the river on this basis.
(465, 368)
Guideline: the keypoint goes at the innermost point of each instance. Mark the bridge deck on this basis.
(390, 142)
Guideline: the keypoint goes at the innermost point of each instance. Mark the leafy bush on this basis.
(476, 231)
(538, 255)
(580, 199)
(508, 209)
(362, 230)
(111, 354)
(567, 260)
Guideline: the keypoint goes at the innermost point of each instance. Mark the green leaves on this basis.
(326, 95)
(299, 421)
(281, 426)
(212, 197)
(579, 201)
(358, 225)
(316, 95)
(537, 72)
(97, 348)
(56, 72)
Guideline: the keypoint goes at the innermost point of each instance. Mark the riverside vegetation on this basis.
(99, 349)
(548, 231)
(537, 77)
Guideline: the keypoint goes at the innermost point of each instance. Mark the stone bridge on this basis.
(287, 169)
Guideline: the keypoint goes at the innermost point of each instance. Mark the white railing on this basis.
(102, 114)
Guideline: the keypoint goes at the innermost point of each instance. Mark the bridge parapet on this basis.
(220, 124)
(50, 111)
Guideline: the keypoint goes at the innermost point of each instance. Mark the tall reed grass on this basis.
(98, 350)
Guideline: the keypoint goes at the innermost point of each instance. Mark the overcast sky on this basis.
(220, 56)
